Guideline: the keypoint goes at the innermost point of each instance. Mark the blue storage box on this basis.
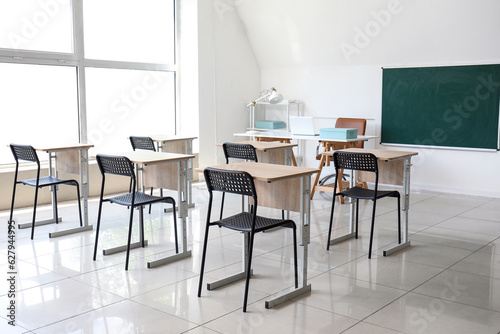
(269, 124)
(338, 133)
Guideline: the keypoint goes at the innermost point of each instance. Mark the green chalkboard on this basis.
(451, 106)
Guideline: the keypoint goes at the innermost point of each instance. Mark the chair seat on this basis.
(140, 199)
(363, 193)
(46, 181)
(243, 222)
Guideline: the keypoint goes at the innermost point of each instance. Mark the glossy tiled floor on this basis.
(448, 281)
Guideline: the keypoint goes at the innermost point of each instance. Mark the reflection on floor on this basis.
(448, 281)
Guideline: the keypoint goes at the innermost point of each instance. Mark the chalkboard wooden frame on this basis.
(447, 106)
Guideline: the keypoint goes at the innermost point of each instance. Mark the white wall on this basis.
(228, 76)
(329, 54)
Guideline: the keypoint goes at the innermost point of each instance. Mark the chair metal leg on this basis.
(295, 256)
(34, 214)
(222, 205)
(97, 228)
(79, 203)
(372, 228)
(249, 267)
(399, 219)
(12, 204)
(129, 236)
(331, 223)
(175, 228)
(203, 256)
(357, 220)
(55, 204)
(141, 225)
(150, 204)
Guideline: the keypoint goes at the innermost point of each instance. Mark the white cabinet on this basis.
(274, 112)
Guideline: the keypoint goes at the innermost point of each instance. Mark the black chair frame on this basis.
(147, 144)
(122, 166)
(361, 162)
(237, 151)
(241, 183)
(28, 153)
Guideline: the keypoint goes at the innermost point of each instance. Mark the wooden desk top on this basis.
(268, 172)
(385, 155)
(59, 147)
(169, 138)
(266, 146)
(151, 157)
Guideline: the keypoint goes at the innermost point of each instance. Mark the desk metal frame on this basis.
(83, 163)
(142, 159)
(384, 155)
(268, 174)
(287, 137)
(161, 144)
(270, 147)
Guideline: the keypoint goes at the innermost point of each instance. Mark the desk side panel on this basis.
(174, 147)
(390, 172)
(272, 157)
(165, 176)
(283, 195)
(68, 162)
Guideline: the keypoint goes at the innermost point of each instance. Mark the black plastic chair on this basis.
(240, 151)
(143, 143)
(238, 182)
(237, 151)
(122, 166)
(366, 162)
(28, 153)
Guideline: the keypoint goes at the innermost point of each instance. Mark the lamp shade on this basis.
(275, 97)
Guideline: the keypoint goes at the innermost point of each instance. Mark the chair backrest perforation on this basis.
(142, 143)
(356, 161)
(24, 152)
(117, 165)
(239, 151)
(235, 182)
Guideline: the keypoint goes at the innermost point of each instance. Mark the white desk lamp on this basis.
(274, 97)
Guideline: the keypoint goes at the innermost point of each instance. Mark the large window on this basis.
(35, 109)
(123, 103)
(129, 30)
(94, 71)
(36, 25)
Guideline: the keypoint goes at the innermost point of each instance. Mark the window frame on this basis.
(77, 59)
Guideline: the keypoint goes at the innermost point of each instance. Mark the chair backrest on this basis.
(366, 162)
(354, 123)
(24, 152)
(236, 182)
(239, 151)
(116, 165)
(142, 143)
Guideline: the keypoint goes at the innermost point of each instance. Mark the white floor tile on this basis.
(446, 281)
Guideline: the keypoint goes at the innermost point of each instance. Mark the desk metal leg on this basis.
(305, 235)
(55, 219)
(183, 214)
(236, 277)
(84, 188)
(406, 206)
(190, 173)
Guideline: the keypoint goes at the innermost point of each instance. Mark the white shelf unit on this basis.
(280, 112)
